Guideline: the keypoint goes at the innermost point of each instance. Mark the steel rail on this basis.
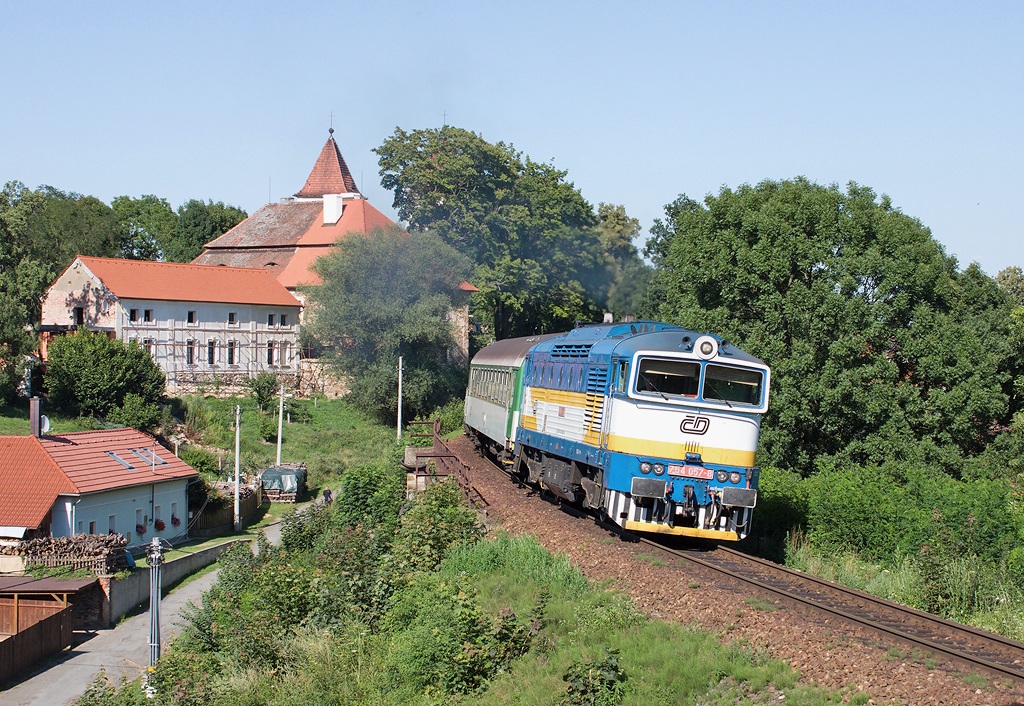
(1016, 672)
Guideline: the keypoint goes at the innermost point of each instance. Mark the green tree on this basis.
(385, 295)
(529, 231)
(92, 373)
(880, 349)
(1011, 281)
(199, 223)
(627, 273)
(40, 233)
(146, 224)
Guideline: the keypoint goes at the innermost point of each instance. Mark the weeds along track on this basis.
(972, 646)
(929, 633)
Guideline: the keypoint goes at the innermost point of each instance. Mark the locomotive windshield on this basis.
(668, 377)
(732, 384)
(681, 378)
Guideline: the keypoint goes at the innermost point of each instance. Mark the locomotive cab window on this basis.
(732, 385)
(667, 377)
(622, 376)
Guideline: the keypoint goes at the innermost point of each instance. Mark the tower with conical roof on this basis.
(287, 237)
(330, 174)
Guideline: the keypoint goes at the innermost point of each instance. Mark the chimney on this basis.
(332, 208)
(33, 417)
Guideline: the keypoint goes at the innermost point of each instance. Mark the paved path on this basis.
(121, 650)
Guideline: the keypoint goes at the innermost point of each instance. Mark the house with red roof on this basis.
(207, 327)
(92, 482)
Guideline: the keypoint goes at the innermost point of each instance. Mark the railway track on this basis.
(964, 644)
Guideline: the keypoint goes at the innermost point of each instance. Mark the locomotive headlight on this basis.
(734, 477)
(659, 469)
(722, 476)
(645, 467)
(706, 347)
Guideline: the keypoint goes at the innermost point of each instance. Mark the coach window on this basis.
(667, 377)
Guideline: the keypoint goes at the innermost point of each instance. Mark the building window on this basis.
(133, 315)
(92, 527)
(270, 320)
(231, 352)
(150, 345)
(211, 352)
(79, 316)
(190, 318)
(112, 524)
(284, 320)
(147, 316)
(232, 319)
(270, 352)
(285, 354)
(190, 352)
(138, 517)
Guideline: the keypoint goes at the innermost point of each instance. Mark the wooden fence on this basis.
(221, 517)
(20, 653)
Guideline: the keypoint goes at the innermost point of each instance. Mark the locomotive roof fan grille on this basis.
(706, 347)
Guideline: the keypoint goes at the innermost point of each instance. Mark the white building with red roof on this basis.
(92, 482)
(207, 327)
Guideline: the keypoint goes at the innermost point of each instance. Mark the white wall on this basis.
(124, 504)
(168, 334)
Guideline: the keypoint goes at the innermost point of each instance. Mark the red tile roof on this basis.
(172, 281)
(357, 216)
(31, 482)
(330, 174)
(85, 458)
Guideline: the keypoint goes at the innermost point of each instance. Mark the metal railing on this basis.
(440, 462)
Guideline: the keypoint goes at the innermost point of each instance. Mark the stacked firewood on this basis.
(79, 546)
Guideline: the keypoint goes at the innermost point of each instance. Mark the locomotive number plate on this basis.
(691, 472)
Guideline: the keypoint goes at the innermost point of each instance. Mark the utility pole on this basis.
(280, 424)
(398, 430)
(155, 556)
(238, 463)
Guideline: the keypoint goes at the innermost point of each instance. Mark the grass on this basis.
(969, 591)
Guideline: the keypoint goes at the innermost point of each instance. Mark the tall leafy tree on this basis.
(198, 223)
(385, 295)
(1011, 281)
(627, 273)
(880, 348)
(529, 230)
(146, 224)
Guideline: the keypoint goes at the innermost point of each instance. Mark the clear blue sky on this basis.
(639, 102)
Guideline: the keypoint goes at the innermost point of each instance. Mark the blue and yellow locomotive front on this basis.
(651, 424)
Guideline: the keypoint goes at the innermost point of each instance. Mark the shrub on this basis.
(438, 521)
(89, 372)
(596, 683)
(137, 413)
(263, 388)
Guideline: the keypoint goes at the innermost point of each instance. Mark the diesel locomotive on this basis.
(649, 424)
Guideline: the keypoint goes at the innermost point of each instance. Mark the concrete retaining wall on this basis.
(124, 595)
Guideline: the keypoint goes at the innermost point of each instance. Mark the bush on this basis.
(137, 413)
(92, 373)
(263, 388)
(437, 522)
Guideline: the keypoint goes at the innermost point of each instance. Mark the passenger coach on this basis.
(650, 424)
